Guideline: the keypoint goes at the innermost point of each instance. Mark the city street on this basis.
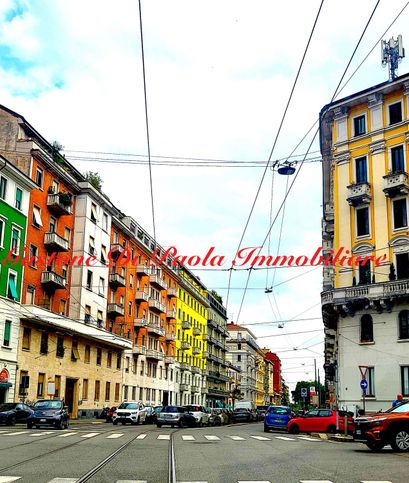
(231, 454)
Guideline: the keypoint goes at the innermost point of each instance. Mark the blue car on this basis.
(277, 417)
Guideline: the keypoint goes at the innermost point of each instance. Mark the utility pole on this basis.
(319, 389)
(315, 379)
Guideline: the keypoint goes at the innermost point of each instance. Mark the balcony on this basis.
(196, 350)
(186, 324)
(195, 389)
(197, 331)
(141, 296)
(171, 314)
(142, 270)
(172, 292)
(216, 391)
(155, 329)
(60, 203)
(185, 346)
(168, 359)
(395, 184)
(157, 282)
(203, 390)
(115, 310)
(116, 250)
(154, 354)
(156, 306)
(184, 387)
(170, 336)
(205, 337)
(52, 281)
(184, 366)
(212, 323)
(116, 280)
(139, 350)
(140, 322)
(56, 243)
(196, 370)
(359, 193)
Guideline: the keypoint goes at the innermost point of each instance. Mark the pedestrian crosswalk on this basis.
(10, 479)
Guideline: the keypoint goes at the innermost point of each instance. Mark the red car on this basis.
(321, 421)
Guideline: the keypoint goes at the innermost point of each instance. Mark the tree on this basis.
(285, 397)
(216, 296)
(306, 384)
(94, 179)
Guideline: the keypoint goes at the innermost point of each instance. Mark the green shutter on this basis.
(13, 289)
(7, 331)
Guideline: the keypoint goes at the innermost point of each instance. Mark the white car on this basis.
(130, 412)
(199, 413)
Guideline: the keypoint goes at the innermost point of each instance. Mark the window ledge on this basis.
(7, 347)
(402, 340)
(367, 343)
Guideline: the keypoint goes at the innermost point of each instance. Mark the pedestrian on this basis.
(397, 401)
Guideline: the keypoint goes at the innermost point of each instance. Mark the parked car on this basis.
(212, 416)
(277, 417)
(109, 414)
(221, 416)
(12, 413)
(152, 413)
(390, 427)
(261, 412)
(320, 420)
(103, 413)
(175, 416)
(156, 411)
(243, 415)
(249, 406)
(49, 412)
(129, 412)
(199, 413)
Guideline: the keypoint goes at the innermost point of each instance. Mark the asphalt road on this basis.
(227, 454)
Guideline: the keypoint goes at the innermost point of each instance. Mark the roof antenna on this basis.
(392, 53)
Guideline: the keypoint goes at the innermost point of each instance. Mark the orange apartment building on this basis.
(50, 221)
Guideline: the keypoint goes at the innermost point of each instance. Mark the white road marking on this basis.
(253, 481)
(237, 438)
(142, 436)
(131, 481)
(63, 480)
(284, 438)
(4, 431)
(315, 481)
(89, 435)
(9, 479)
(15, 434)
(211, 437)
(42, 434)
(367, 481)
(306, 438)
(261, 438)
(164, 436)
(114, 435)
(65, 435)
(188, 437)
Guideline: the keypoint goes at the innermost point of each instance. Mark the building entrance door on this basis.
(3, 392)
(70, 397)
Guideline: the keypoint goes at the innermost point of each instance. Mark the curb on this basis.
(333, 437)
(319, 435)
(78, 422)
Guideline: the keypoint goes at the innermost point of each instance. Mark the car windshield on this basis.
(48, 405)
(278, 410)
(7, 407)
(193, 408)
(170, 409)
(129, 406)
(403, 408)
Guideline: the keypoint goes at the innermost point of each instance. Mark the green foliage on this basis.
(307, 384)
(217, 296)
(94, 179)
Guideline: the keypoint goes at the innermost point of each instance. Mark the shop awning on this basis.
(5, 384)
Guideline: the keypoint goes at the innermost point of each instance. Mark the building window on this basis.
(91, 246)
(97, 389)
(19, 199)
(93, 213)
(395, 113)
(89, 279)
(74, 351)
(400, 218)
(404, 324)
(44, 343)
(7, 333)
(365, 273)
(26, 338)
(52, 225)
(362, 221)
(1, 232)
(366, 328)
(118, 360)
(33, 256)
(359, 125)
(109, 359)
(24, 383)
(36, 219)
(361, 175)
(40, 385)
(3, 187)
(105, 222)
(103, 255)
(130, 280)
(57, 381)
(405, 380)
(85, 389)
(370, 377)
(99, 356)
(402, 265)
(12, 286)
(87, 355)
(15, 241)
(62, 307)
(100, 319)
(87, 315)
(107, 391)
(130, 309)
(101, 286)
(39, 177)
(60, 346)
(397, 160)
(117, 388)
(239, 358)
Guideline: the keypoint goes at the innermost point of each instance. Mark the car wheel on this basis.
(29, 425)
(158, 425)
(67, 424)
(12, 421)
(180, 424)
(294, 429)
(400, 439)
(331, 429)
(114, 423)
(123, 423)
(265, 429)
(374, 445)
(58, 425)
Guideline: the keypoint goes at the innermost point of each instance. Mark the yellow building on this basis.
(191, 323)
(260, 376)
(364, 144)
(62, 358)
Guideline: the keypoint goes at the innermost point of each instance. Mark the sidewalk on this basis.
(86, 421)
(345, 438)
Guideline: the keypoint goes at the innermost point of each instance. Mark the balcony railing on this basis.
(116, 250)
(203, 390)
(155, 329)
(212, 323)
(172, 292)
(359, 193)
(142, 270)
(57, 206)
(116, 280)
(141, 296)
(184, 387)
(197, 330)
(154, 354)
(156, 281)
(116, 309)
(171, 314)
(139, 350)
(185, 366)
(52, 281)
(140, 322)
(186, 324)
(196, 370)
(56, 243)
(168, 359)
(196, 350)
(185, 346)
(156, 306)
(195, 389)
(395, 184)
(205, 337)
(170, 336)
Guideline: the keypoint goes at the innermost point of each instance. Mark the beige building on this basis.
(61, 358)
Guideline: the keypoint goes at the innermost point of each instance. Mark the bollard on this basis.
(346, 425)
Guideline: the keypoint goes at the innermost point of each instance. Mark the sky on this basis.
(218, 76)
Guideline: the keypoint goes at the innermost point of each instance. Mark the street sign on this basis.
(312, 390)
(364, 384)
(303, 392)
